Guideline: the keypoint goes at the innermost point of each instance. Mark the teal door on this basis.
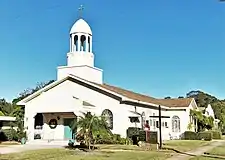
(68, 133)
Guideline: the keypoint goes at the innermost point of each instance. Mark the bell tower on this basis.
(80, 59)
(80, 45)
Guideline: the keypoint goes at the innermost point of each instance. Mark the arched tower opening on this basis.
(75, 43)
(83, 43)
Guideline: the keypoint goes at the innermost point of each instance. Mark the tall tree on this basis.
(30, 91)
(168, 97)
(203, 99)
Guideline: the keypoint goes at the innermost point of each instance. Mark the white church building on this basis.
(80, 88)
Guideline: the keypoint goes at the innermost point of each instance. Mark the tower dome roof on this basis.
(81, 26)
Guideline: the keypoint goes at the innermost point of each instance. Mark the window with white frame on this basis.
(175, 124)
(150, 122)
(166, 125)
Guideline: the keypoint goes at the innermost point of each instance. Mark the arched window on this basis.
(108, 117)
(175, 124)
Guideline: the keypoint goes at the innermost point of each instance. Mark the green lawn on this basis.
(123, 147)
(203, 158)
(223, 136)
(219, 151)
(106, 152)
(64, 154)
(185, 145)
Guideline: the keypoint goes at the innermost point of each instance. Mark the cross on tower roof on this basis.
(80, 9)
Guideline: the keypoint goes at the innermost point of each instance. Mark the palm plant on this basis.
(90, 127)
(1, 113)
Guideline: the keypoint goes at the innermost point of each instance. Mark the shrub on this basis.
(10, 134)
(116, 137)
(206, 135)
(189, 135)
(132, 131)
(216, 134)
(2, 136)
(106, 141)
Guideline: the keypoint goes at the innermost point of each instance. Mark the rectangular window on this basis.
(150, 122)
(166, 125)
(162, 124)
(157, 124)
(134, 119)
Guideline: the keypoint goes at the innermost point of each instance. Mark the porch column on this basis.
(30, 125)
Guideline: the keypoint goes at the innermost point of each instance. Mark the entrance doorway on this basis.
(68, 132)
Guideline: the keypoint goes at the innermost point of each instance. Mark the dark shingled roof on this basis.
(176, 102)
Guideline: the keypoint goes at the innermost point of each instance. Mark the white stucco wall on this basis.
(86, 72)
(58, 132)
(80, 58)
(55, 100)
(209, 111)
(61, 99)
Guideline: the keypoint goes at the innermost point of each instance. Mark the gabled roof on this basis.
(123, 93)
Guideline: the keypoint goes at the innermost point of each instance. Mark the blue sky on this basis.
(160, 48)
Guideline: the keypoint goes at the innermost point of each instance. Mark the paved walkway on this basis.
(199, 151)
(21, 148)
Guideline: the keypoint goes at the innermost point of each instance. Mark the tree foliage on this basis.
(30, 91)
(203, 121)
(1, 113)
(203, 99)
(11, 109)
(168, 97)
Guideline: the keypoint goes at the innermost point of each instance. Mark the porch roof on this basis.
(7, 118)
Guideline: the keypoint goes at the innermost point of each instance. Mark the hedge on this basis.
(216, 134)
(189, 135)
(206, 135)
(132, 131)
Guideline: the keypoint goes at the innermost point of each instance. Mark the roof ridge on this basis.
(142, 94)
(173, 102)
